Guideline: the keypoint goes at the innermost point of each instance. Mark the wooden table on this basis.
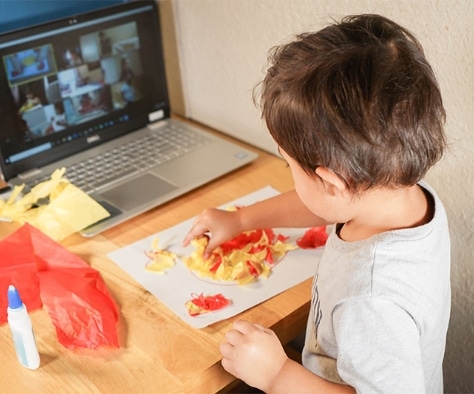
(159, 353)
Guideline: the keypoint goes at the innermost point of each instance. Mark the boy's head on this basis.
(359, 98)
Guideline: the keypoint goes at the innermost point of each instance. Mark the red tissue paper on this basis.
(74, 294)
(313, 238)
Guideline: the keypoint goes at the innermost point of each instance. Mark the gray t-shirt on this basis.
(380, 309)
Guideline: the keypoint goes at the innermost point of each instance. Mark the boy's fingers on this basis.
(227, 365)
(196, 231)
(188, 238)
(233, 337)
(246, 327)
(243, 326)
(211, 245)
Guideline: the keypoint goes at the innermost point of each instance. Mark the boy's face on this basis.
(316, 194)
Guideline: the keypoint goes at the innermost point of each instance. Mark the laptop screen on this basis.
(77, 82)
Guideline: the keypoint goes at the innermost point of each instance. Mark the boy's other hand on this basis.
(253, 354)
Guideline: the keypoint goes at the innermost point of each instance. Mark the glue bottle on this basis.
(22, 330)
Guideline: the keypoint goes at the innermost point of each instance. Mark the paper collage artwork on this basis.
(177, 284)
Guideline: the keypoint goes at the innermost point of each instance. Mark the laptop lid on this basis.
(63, 84)
(64, 98)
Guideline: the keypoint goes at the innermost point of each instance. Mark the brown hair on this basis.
(358, 97)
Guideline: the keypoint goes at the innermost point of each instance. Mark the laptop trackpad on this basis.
(137, 192)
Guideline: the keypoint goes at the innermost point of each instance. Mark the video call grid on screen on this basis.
(73, 81)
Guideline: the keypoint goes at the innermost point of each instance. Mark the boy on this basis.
(357, 114)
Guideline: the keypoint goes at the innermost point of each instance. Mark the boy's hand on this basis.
(253, 354)
(218, 224)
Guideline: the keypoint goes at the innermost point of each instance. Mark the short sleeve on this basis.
(378, 347)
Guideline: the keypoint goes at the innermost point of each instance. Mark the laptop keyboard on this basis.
(139, 155)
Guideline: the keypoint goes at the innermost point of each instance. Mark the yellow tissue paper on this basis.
(56, 207)
(243, 259)
(160, 259)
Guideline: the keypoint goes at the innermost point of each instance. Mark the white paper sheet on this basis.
(175, 287)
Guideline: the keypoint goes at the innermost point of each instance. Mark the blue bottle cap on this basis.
(14, 300)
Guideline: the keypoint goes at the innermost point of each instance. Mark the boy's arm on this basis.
(254, 354)
(294, 376)
(284, 210)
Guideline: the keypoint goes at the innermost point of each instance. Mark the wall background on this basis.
(223, 44)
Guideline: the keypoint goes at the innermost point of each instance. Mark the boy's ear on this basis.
(332, 181)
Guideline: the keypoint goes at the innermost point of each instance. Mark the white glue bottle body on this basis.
(22, 330)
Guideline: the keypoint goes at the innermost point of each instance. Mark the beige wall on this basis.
(222, 52)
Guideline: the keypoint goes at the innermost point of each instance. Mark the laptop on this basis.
(89, 93)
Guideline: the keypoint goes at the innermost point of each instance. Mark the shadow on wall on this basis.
(170, 48)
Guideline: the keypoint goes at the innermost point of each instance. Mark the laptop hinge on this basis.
(28, 174)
